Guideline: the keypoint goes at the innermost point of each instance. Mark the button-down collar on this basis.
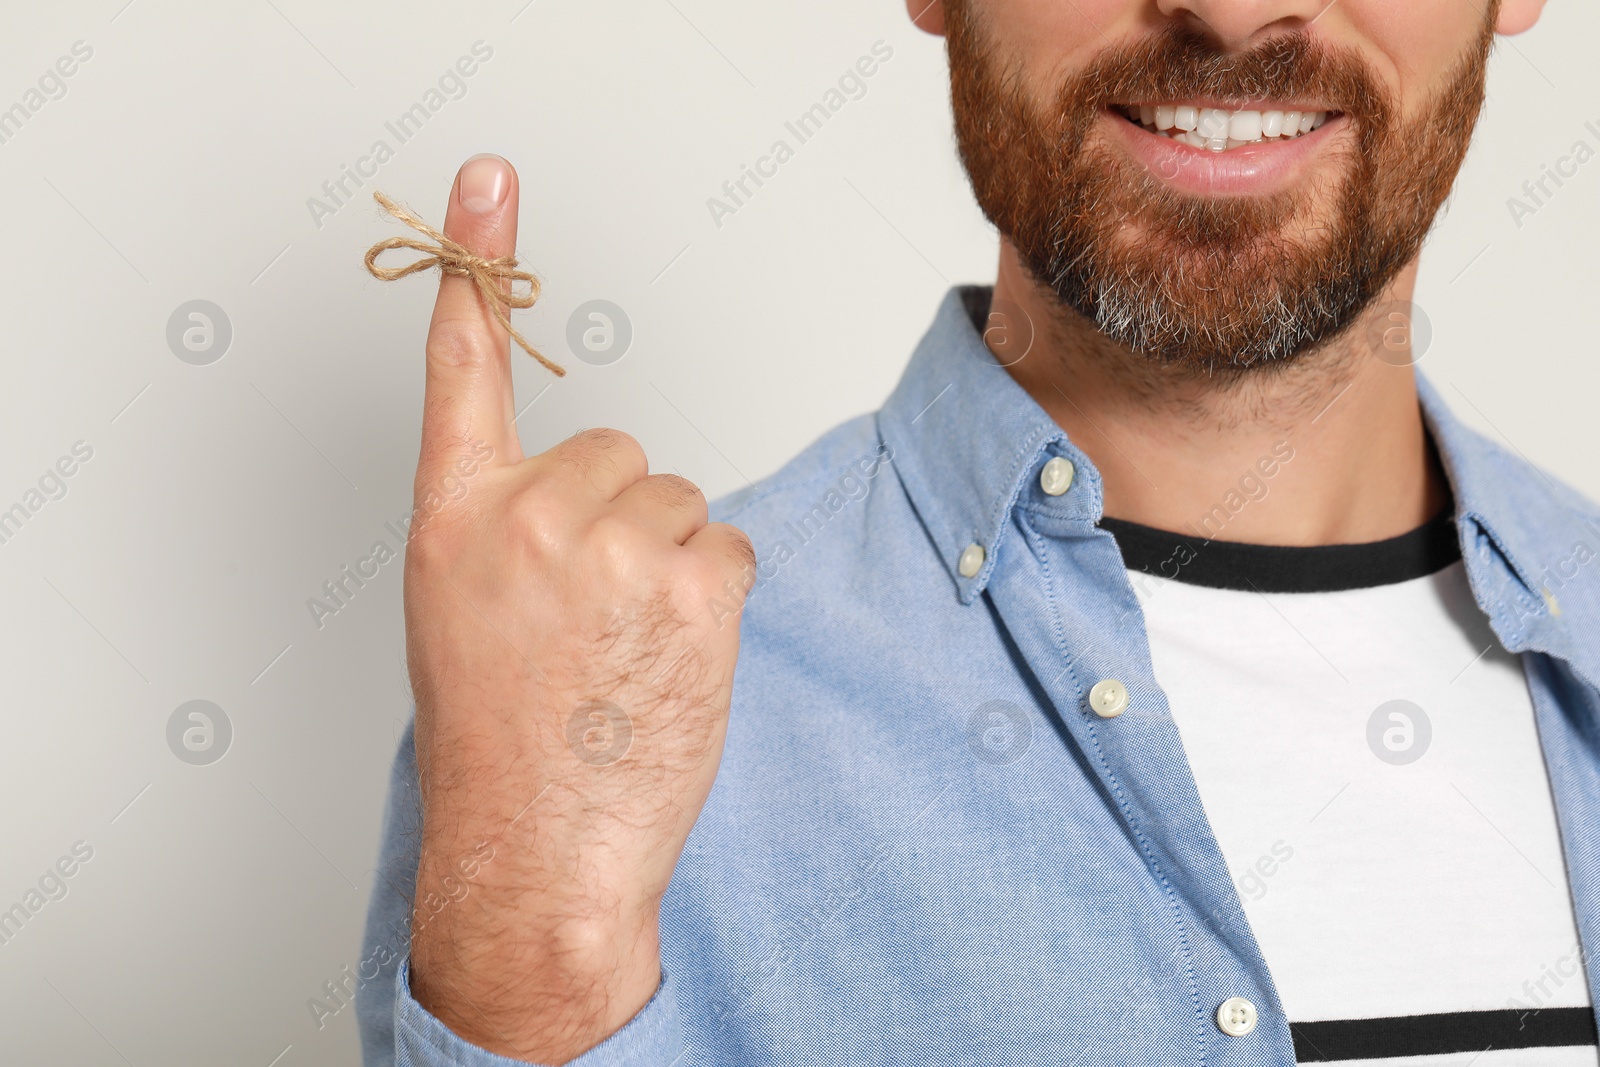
(969, 443)
(1527, 542)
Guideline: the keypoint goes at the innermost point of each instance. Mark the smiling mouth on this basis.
(1218, 129)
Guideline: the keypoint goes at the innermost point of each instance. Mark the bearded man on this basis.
(1163, 676)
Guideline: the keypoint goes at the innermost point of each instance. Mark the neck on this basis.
(1328, 449)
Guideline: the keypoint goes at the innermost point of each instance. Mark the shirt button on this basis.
(971, 561)
(1056, 477)
(1236, 1017)
(1108, 698)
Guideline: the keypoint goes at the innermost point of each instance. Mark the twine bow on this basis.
(454, 258)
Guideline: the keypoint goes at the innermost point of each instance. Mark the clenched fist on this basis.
(571, 687)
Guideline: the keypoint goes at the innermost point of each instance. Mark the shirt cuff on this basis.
(652, 1038)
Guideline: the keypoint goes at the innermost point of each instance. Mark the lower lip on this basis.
(1249, 170)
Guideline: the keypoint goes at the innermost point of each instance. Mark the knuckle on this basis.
(676, 491)
(602, 457)
(618, 547)
(601, 442)
(715, 571)
(705, 577)
(691, 586)
(740, 548)
(535, 524)
(442, 523)
(584, 454)
(617, 540)
(456, 342)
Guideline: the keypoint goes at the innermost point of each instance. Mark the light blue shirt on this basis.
(923, 845)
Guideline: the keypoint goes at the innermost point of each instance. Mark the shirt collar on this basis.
(969, 442)
(1530, 545)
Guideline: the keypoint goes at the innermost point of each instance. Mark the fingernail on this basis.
(484, 182)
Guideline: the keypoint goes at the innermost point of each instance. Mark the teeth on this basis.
(1245, 126)
(1218, 129)
(1213, 123)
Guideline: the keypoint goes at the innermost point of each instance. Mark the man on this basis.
(1162, 676)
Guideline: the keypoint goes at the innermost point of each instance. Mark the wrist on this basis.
(532, 977)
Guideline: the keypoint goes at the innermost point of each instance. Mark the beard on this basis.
(1210, 283)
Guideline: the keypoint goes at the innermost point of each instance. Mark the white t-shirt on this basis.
(1367, 756)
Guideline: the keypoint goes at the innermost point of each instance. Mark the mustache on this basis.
(1180, 63)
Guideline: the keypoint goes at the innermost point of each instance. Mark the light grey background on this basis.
(219, 498)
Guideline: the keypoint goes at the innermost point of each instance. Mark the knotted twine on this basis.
(452, 257)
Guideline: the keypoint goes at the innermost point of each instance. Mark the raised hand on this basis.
(571, 684)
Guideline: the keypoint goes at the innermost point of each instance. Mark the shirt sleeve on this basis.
(652, 1038)
(396, 1031)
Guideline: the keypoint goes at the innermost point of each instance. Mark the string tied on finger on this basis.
(452, 257)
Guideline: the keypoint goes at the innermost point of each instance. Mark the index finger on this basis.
(469, 393)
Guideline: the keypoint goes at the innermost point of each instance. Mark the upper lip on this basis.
(1228, 105)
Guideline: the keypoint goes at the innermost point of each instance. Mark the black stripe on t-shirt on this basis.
(1425, 550)
(1441, 1035)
